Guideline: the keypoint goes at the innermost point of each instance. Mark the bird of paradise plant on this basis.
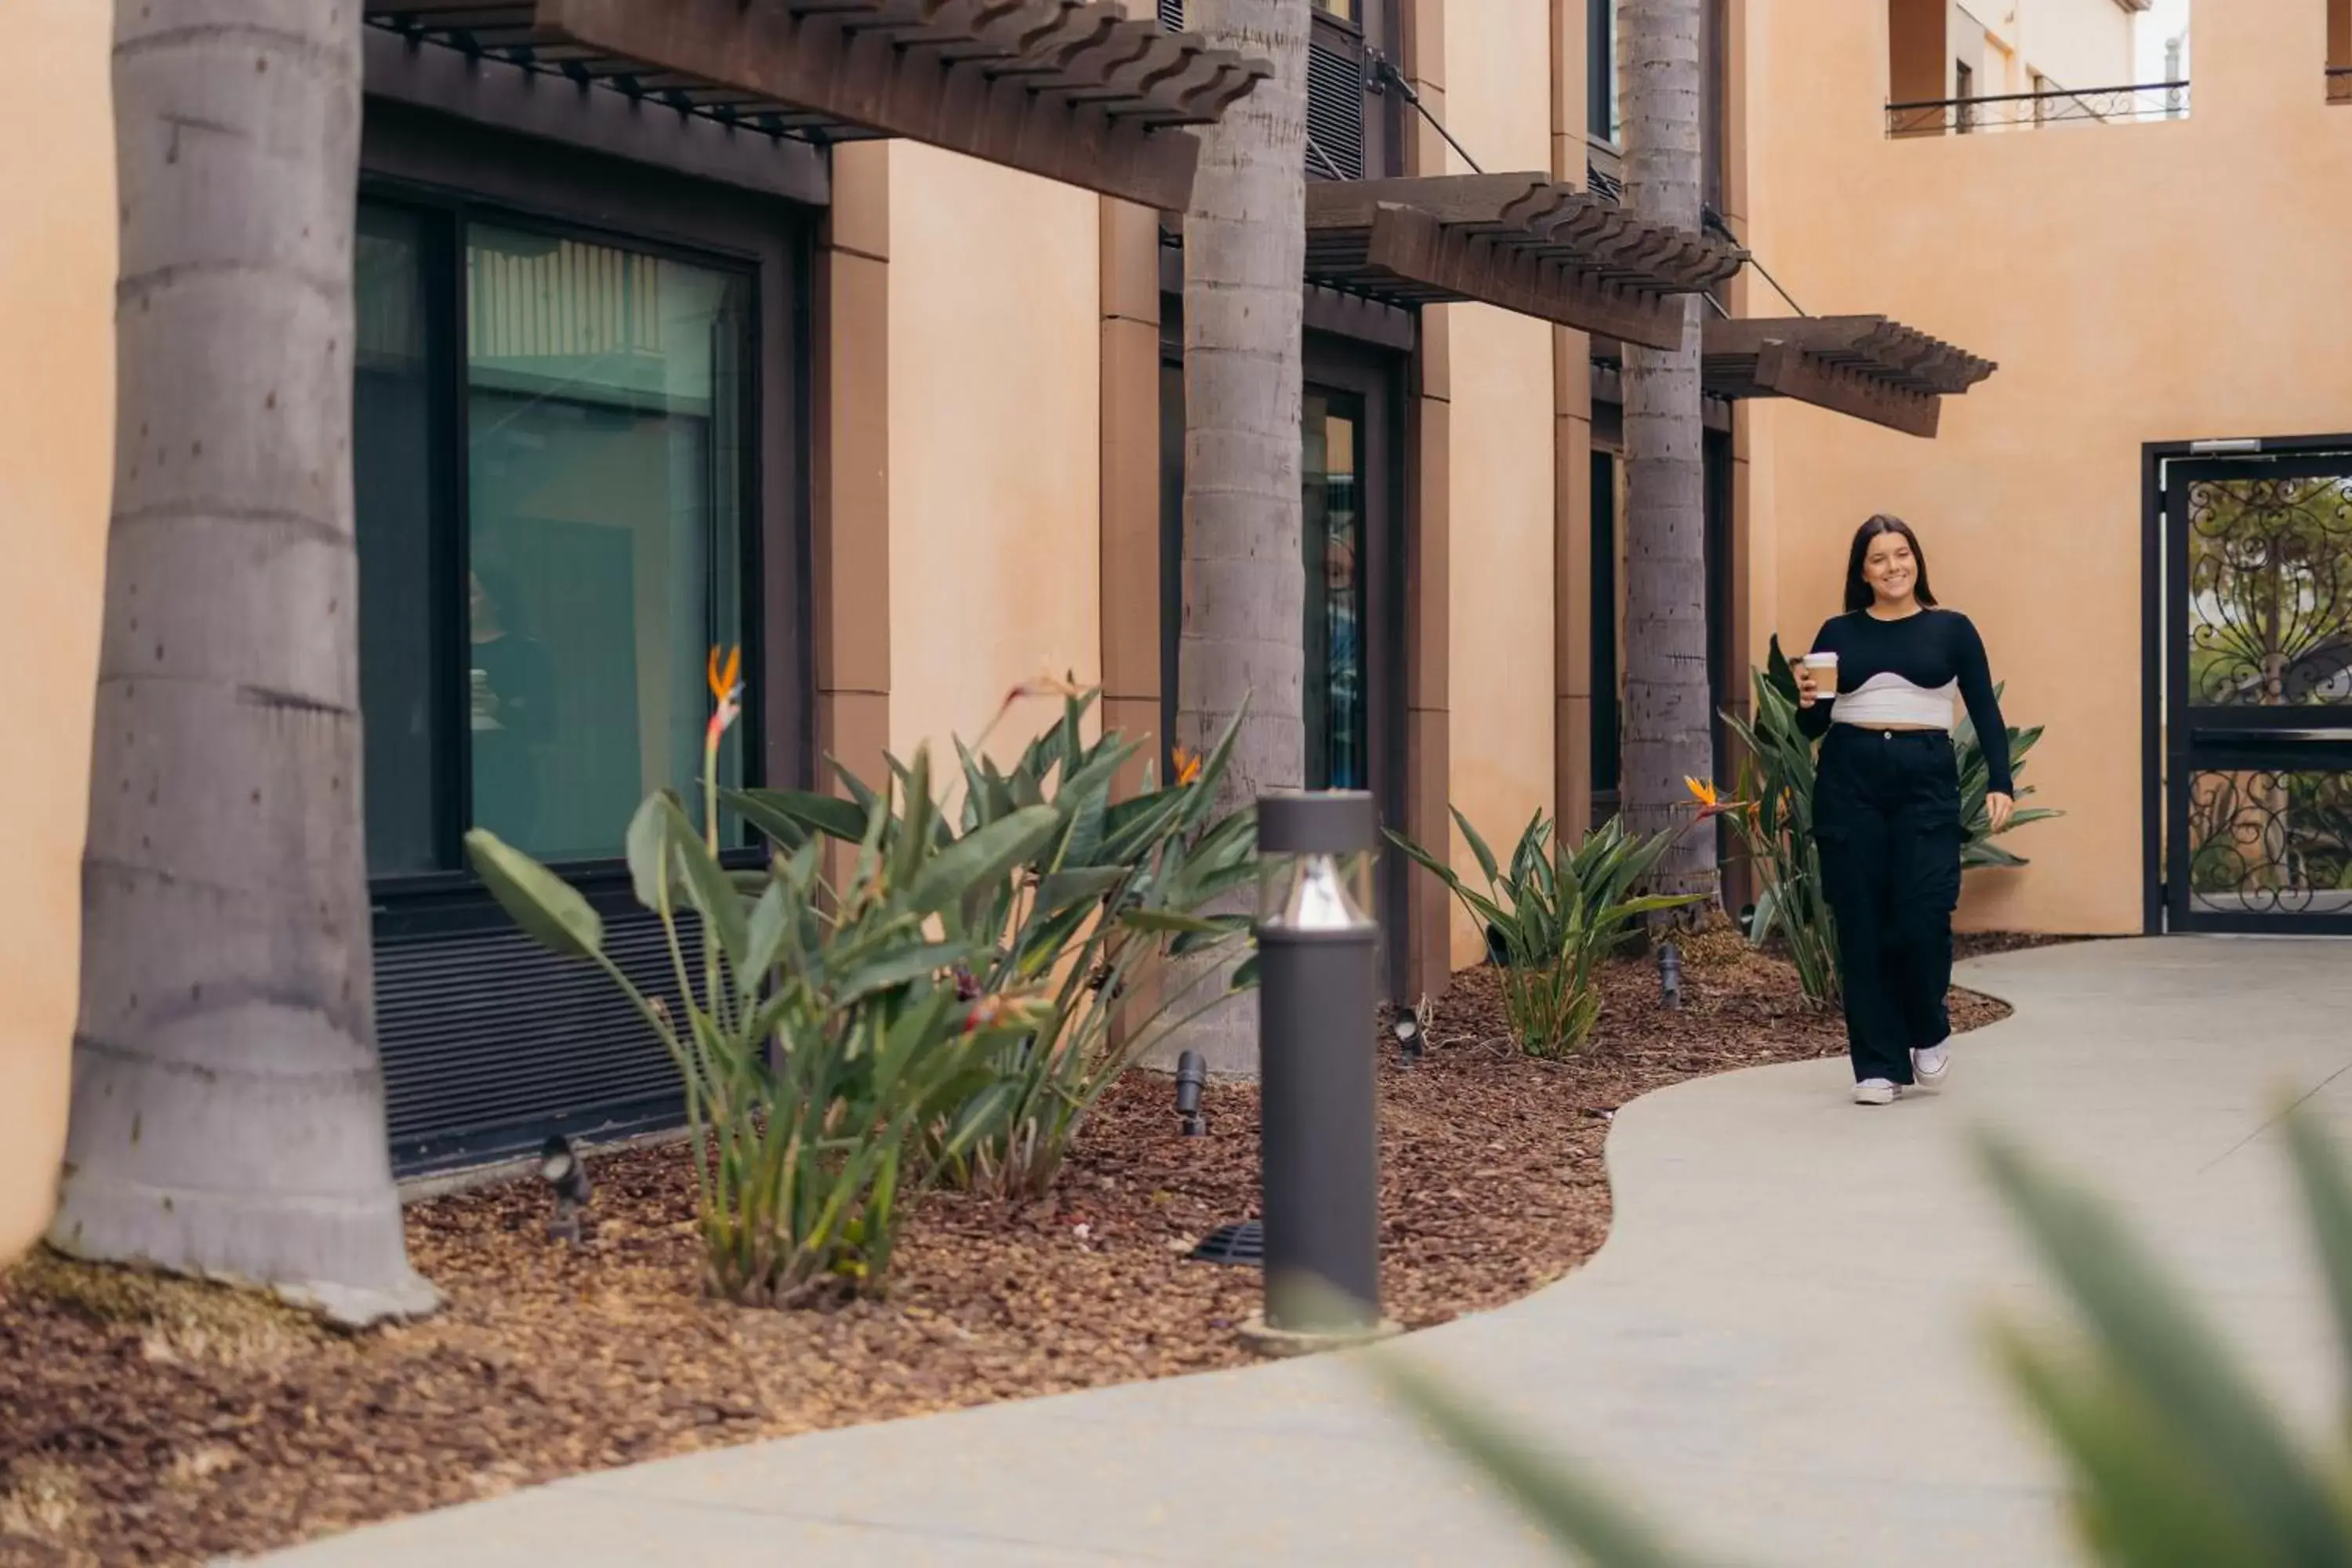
(1556, 914)
(828, 1038)
(1086, 928)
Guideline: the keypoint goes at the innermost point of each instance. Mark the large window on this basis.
(551, 458)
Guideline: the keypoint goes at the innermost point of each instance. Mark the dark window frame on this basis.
(462, 174)
(1600, 68)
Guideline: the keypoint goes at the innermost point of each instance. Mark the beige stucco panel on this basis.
(1501, 691)
(57, 407)
(2137, 283)
(995, 460)
(1498, 61)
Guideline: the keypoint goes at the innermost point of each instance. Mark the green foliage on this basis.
(1077, 932)
(1775, 780)
(2175, 1460)
(1558, 912)
(1777, 777)
(825, 1040)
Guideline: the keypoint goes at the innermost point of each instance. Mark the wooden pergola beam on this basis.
(1785, 369)
(1523, 242)
(1418, 248)
(1075, 91)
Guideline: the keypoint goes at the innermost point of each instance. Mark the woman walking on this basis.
(1877, 691)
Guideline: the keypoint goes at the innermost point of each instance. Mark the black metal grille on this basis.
(1335, 102)
(1335, 113)
(489, 1042)
(1242, 1243)
(1603, 184)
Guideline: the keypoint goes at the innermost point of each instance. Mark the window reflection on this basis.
(604, 542)
(1335, 697)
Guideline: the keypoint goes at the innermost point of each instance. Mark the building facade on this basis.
(907, 424)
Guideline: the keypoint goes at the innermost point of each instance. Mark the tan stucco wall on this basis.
(2120, 314)
(57, 407)
(1499, 104)
(995, 465)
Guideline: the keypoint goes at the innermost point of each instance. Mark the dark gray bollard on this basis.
(1319, 1119)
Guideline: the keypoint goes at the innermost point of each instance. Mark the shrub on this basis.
(2175, 1456)
(827, 1034)
(1776, 776)
(1555, 916)
(1080, 928)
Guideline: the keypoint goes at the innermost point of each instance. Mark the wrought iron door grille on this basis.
(2258, 680)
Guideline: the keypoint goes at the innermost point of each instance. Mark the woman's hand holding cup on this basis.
(1816, 675)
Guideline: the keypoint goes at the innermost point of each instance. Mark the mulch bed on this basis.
(152, 1420)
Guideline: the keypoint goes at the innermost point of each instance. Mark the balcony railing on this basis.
(2029, 111)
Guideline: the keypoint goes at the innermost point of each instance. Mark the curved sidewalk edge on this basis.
(1775, 1351)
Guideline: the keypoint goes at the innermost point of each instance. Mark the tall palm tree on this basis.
(1669, 720)
(228, 1113)
(1244, 576)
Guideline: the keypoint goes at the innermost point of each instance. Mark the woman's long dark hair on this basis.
(1858, 596)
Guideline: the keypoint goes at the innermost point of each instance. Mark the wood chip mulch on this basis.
(144, 1419)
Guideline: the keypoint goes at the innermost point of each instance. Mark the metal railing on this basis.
(2029, 111)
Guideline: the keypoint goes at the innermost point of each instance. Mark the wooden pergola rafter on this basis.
(1075, 91)
(1523, 242)
(1865, 366)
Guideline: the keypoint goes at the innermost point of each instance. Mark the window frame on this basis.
(454, 175)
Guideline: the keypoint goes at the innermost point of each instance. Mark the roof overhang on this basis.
(1523, 242)
(1076, 90)
(1864, 366)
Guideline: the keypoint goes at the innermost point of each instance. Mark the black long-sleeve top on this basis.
(1930, 649)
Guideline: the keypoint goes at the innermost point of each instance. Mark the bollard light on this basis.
(567, 1175)
(1319, 1126)
(1670, 974)
(1407, 1030)
(1191, 1078)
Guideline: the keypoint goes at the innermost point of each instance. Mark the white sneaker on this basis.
(1874, 1092)
(1930, 1066)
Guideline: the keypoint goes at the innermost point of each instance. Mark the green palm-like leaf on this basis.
(549, 908)
(2155, 1349)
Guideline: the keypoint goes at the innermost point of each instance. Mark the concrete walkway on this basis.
(1777, 1350)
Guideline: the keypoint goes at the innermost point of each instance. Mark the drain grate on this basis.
(1244, 1244)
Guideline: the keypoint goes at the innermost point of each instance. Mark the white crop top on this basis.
(1888, 699)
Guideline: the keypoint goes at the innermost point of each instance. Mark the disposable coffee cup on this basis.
(1822, 667)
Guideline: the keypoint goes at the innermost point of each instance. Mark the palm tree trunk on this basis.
(1244, 576)
(1669, 722)
(228, 1114)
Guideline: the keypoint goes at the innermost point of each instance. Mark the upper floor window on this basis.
(1958, 68)
(2339, 51)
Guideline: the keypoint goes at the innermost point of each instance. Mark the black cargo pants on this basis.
(1886, 817)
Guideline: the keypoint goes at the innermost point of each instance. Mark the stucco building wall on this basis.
(2125, 304)
(57, 400)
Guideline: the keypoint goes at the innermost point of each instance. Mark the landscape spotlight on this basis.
(566, 1175)
(1191, 1076)
(1670, 974)
(1407, 1030)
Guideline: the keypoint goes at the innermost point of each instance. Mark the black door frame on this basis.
(1374, 374)
(2172, 747)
